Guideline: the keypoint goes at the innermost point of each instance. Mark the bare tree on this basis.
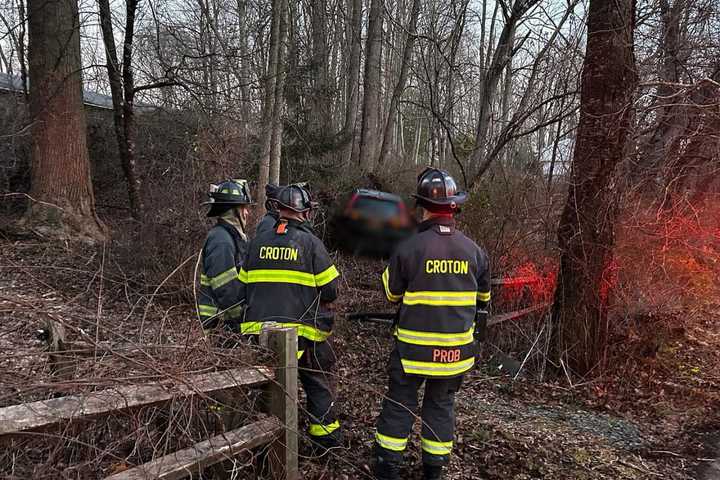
(371, 86)
(392, 114)
(122, 88)
(586, 229)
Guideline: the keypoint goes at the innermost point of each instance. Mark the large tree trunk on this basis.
(400, 85)
(371, 85)
(63, 204)
(587, 224)
(122, 88)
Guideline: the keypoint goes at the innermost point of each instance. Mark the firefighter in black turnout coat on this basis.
(288, 278)
(441, 279)
(222, 255)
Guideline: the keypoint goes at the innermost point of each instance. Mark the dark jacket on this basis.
(220, 289)
(441, 278)
(267, 222)
(286, 277)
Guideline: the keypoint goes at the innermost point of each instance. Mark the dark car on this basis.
(372, 223)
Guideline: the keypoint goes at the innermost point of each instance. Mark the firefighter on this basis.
(268, 221)
(289, 278)
(222, 255)
(441, 280)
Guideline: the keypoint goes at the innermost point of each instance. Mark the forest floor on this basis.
(658, 419)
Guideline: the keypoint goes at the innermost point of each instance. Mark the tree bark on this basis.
(276, 143)
(268, 115)
(63, 204)
(371, 85)
(400, 85)
(586, 230)
(122, 88)
(354, 31)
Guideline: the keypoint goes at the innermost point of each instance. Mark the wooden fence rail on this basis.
(280, 429)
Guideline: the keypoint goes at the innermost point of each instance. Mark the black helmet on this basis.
(295, 197)
(271, 191)
(228, 194)
(437, 191)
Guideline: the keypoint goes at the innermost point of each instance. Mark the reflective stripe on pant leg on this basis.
(320, 430)
(438, 417)
(319, 396)
(398, 411)
(391, 443)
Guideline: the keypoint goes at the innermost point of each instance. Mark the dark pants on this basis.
(315, 374)
(400, 407)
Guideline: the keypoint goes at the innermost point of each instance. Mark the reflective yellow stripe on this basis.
(483, 296)
(433, 369)
(436, 448)
(278, 276)
(204, 281)
(207, 310)
(224, 278)
(391, 443)
(319, 430)
(326, 276)
(385, 280)
(243, 275)
(300, 353)
(441, 299)
(311, 333)
(417, 337)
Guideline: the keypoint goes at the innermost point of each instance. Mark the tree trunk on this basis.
(371, 85)
(320, 117)
(122, 87)
(354, 31)
(63, 204)
(586, 230)
(276, 143)
(402, 79)
(268, 115)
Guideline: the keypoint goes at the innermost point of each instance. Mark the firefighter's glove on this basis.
(481, 319)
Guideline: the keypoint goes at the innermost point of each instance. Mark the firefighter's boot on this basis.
(432, 472)
(386, 469)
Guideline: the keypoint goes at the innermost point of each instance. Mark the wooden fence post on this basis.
(283, 403)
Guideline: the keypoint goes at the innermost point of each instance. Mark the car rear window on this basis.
(374, 207)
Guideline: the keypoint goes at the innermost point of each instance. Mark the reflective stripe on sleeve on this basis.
(433, 369)
(436, 448)
(416, 337)
(207, 310)
(223, 279)
(204, 280)
(391, 443)
(320, 430)
(326, 276)
(483, 296)
(441, 299)
(386, 285)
